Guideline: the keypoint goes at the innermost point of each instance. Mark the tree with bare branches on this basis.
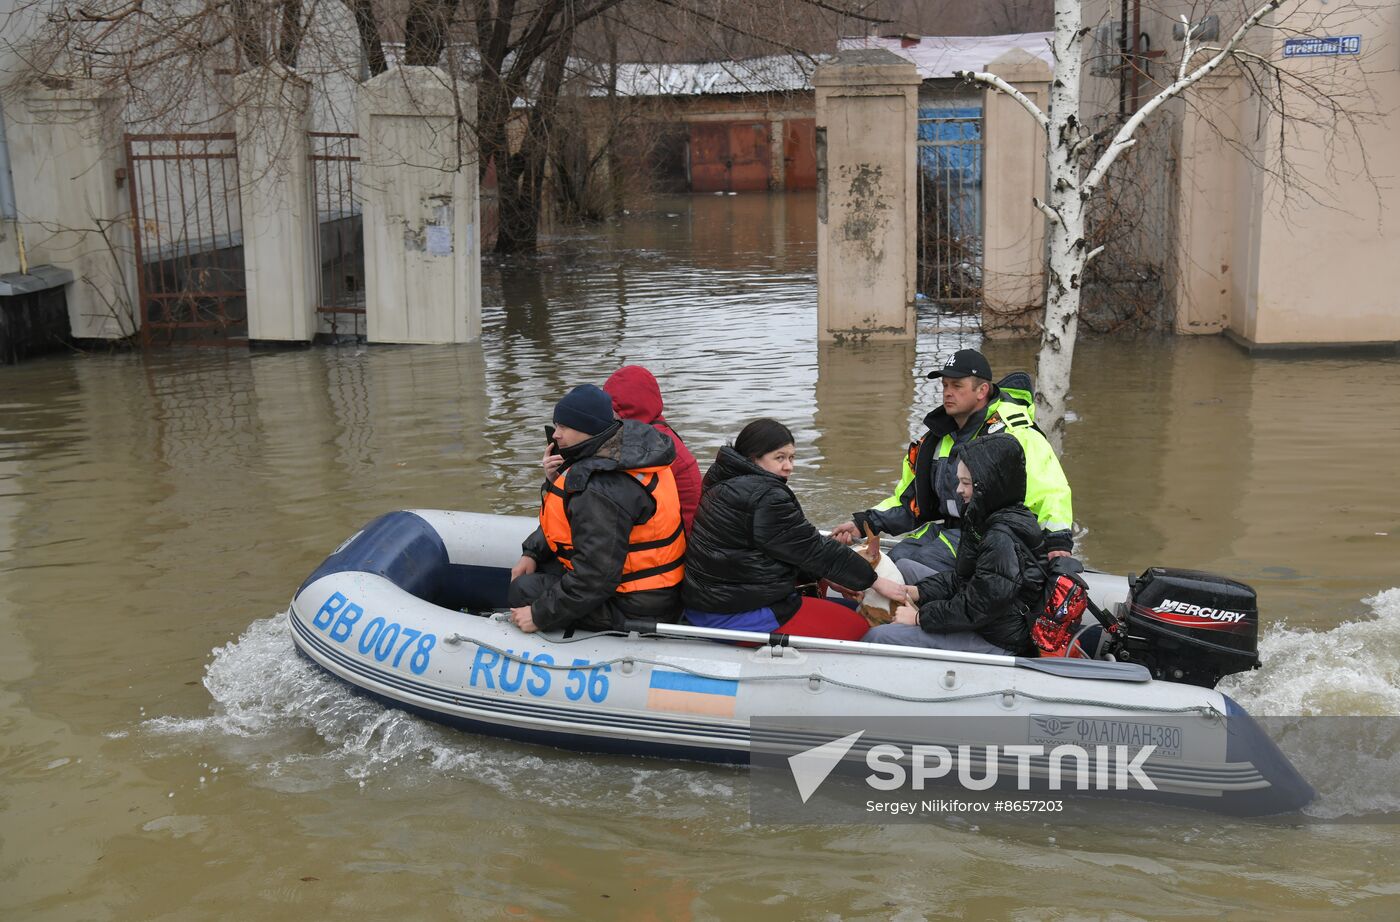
(1080, 157)
(521, 58)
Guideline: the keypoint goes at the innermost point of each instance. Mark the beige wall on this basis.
(1329, 262)
(421, 209)
(1313, 260)
(278, 211)
(9, 247)
(72, 208)
(1205, 265)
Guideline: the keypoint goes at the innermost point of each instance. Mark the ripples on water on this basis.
(264, 691)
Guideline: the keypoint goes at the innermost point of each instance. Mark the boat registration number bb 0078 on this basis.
(387, 641)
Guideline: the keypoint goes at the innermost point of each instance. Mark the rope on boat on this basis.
(1205, 710)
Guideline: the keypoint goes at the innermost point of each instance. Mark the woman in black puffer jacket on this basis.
(750, 546)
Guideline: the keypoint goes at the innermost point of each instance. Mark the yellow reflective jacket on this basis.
(915, 502)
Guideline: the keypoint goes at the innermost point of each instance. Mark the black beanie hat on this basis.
(586, 408)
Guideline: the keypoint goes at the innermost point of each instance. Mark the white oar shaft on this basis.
(1069, 668)
(823, 643)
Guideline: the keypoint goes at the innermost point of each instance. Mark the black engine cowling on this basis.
(1187, 626)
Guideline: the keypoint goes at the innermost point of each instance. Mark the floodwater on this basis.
(166, 756)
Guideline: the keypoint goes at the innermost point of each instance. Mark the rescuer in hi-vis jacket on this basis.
(926, 502)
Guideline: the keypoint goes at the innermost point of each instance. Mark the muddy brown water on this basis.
(165, 756)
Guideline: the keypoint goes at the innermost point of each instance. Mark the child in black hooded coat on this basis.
(981, 605)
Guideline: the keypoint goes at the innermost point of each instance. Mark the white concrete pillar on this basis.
(420, 206)
(69, 175)
(1013, 235)
(867, 208)
(274, 194)
(9, 247)
(1201, 275)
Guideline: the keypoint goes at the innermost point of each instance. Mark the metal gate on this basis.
(950, 207)
(730, 157)
(340, 237)
(188, 237)
(800, 154)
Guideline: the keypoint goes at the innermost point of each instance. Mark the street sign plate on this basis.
(1320, 46)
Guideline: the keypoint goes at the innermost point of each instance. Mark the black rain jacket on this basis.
(750, 544)
(603, 503)
(997, 581)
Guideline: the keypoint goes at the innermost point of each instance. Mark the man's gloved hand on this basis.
(846, 532)
(1059, 543)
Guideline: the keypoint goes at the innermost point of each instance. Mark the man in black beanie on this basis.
(610, 545)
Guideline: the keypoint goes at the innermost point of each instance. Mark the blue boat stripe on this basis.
(684, 681)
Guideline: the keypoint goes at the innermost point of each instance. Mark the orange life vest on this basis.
(655, 547)
(914, 466)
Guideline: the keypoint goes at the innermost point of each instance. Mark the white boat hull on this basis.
(370, 615)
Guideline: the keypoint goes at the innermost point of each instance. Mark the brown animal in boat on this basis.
(875, 608)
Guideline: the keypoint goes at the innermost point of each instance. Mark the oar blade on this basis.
(1086, 669)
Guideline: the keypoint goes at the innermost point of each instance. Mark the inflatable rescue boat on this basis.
(411, 609)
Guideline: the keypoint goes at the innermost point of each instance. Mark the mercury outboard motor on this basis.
(1187, 626)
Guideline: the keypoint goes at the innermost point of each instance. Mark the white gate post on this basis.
(1200, 278)
(274, 193)
(867, 208)
(1013, 236)
(420, 206)
(69, 175)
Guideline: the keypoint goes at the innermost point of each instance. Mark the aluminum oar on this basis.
(1057, 666)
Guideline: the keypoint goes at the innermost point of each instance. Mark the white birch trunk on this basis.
(1065, 251)
(1070, 188)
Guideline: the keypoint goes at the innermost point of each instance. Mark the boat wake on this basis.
(1345, 684)
(1351, 670)
(300, 729)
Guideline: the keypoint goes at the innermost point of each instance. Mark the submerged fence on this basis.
(949, 246)
(340, 247)
(188, 237)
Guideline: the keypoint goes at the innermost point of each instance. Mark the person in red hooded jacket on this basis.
(636, 395)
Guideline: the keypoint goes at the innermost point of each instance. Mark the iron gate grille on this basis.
(340, 247)
(950, 207)
(188, 238)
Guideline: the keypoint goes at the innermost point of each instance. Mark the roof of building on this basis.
(939, 57)
(774, 73)
(936, 57)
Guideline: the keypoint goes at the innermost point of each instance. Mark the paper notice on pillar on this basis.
(439, 240)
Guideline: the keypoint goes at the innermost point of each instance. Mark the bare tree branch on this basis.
(1121, 140)
(992, 81)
